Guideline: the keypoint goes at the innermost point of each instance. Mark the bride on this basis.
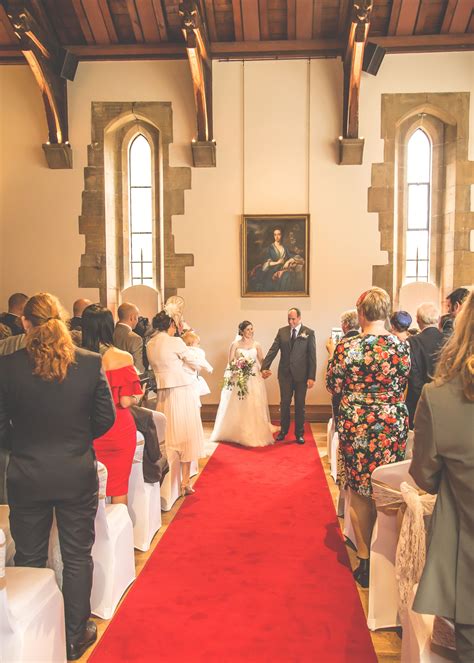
(245, 420)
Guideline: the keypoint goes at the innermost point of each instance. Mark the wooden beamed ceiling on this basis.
(134, 29)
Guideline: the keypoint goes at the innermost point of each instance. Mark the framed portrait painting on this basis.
(275, 255)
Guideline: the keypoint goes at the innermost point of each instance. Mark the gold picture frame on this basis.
(275, 255)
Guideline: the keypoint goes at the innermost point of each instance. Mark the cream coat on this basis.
(168, 356)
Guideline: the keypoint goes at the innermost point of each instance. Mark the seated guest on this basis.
(54, 400)
(370, 371)
(75, 323)
(400, 322)
(454, 302)
(124, 336)
(5, 331)
(424, 350)
(155, 465)
(16, 304)
(350, 328)
(443, 463)
(116, 448)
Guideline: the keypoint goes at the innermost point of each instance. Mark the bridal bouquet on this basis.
(237, 375)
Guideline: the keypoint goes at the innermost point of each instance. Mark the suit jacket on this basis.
(168, 356)
(155, 466)
(443, 463)
(12, 344)
(75, 323)
(424, 351)
(12, 321)
(50, 426)
(126, 339)
(297, 362)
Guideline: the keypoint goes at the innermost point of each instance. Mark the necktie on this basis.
(293, 336)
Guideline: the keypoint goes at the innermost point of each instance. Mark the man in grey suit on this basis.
(296, 371)
(124, 336)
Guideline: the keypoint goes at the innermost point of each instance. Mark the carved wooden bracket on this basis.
(197, 47)
(51, 65)
(351, 146)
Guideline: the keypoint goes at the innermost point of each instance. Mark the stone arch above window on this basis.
(444, 117)
(105, 218)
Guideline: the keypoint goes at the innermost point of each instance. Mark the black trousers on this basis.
(464, 634)
(30, 526)
(288, 388)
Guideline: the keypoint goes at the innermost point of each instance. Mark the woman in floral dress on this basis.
(370, 371)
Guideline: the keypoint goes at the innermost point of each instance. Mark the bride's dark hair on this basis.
(243, 325)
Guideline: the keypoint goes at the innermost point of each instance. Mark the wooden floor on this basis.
(387, 643)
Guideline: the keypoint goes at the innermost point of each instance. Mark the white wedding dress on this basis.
(247, 420)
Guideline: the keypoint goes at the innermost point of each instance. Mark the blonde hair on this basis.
(350, 319)
(457, 356)
(48, 342)
(374, 304)
(190, 337)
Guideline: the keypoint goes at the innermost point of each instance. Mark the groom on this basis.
(296, 371)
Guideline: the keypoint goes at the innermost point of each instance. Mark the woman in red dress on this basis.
(116, 448)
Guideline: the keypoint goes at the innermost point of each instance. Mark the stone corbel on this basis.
(51, 66)
(197, 47)
(351, 146)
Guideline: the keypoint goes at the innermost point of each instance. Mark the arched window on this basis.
(418, 208)
(140, 212)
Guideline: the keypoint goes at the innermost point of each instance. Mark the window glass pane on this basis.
(411, 269)
(417, 245)
(147, 270)
(423, 270)
(148, 282)
(418, 206)
(136, 270)
(140, 210)
(419, 157)
(140, 162)
(142, 248)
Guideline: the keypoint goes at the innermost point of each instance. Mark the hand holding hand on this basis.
(310, 384)
(266, 374)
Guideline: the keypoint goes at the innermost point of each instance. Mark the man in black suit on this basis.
(424, 351)
(454, 302)
(75, 323)
(16, 304)
(296, 371)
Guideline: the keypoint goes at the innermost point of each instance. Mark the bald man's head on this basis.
(79, 306)
(128, 314)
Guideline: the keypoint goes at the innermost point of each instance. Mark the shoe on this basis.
(280, 437)
(300, 440)
(76, 649)
(187, 490)
(362, 573)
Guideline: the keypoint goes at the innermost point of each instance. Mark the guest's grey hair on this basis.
(350, 319)
(427, 314)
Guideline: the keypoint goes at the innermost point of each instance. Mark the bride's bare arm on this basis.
(232, 350)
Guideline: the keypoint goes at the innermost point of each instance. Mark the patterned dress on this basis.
(371, 373)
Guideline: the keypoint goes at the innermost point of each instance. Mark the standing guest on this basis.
(443, 463)
(424, 350)
(177, 398)
(124, 336)
(54, 400)
(454, 303)
(116, 448)
(400, 322)
(350, 328)
(16, 304)
(75, 323)
(370, 371)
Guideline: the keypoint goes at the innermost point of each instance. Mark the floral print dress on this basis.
(371, 374)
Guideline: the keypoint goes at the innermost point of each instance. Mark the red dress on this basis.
(115, 449)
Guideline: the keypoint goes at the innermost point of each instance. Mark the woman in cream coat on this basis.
(443, 463)
(177, 397)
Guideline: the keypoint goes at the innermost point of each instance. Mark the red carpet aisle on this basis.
(253, 568)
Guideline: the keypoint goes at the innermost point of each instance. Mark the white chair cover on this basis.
(112, 552)
(348, 530)
(409, 447)
(417, 631)
(32, 628)
(330, 432)
(171, 486)
(5, 526)
(334, 445)
(383, 589)
(144, 503)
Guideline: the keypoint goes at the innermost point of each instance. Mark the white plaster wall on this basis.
(276, 125)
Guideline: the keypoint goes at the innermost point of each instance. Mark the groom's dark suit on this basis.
(297, 365)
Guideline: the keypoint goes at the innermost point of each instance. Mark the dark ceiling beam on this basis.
(343, 18)
(100, 21)
(407, 17)
(250, 20)
(50, 66)
(148, 22)
(318, 21)
(448, 16)
(135, 21)
(291, 18)
(197, 48)
(264, 23)
(394, 16)
(461, 16)
(304, 19)
(160, 19)
(237, 15)
(7, 26)
(211, 20)
(83, 22)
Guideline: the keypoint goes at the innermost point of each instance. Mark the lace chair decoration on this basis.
(32, 628)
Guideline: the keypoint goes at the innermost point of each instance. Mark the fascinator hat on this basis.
(174, 307)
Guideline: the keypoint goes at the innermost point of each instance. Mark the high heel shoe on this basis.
(187, 490)
(362, 573)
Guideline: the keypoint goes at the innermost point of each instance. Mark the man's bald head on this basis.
(79, 306)
(128, 314)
